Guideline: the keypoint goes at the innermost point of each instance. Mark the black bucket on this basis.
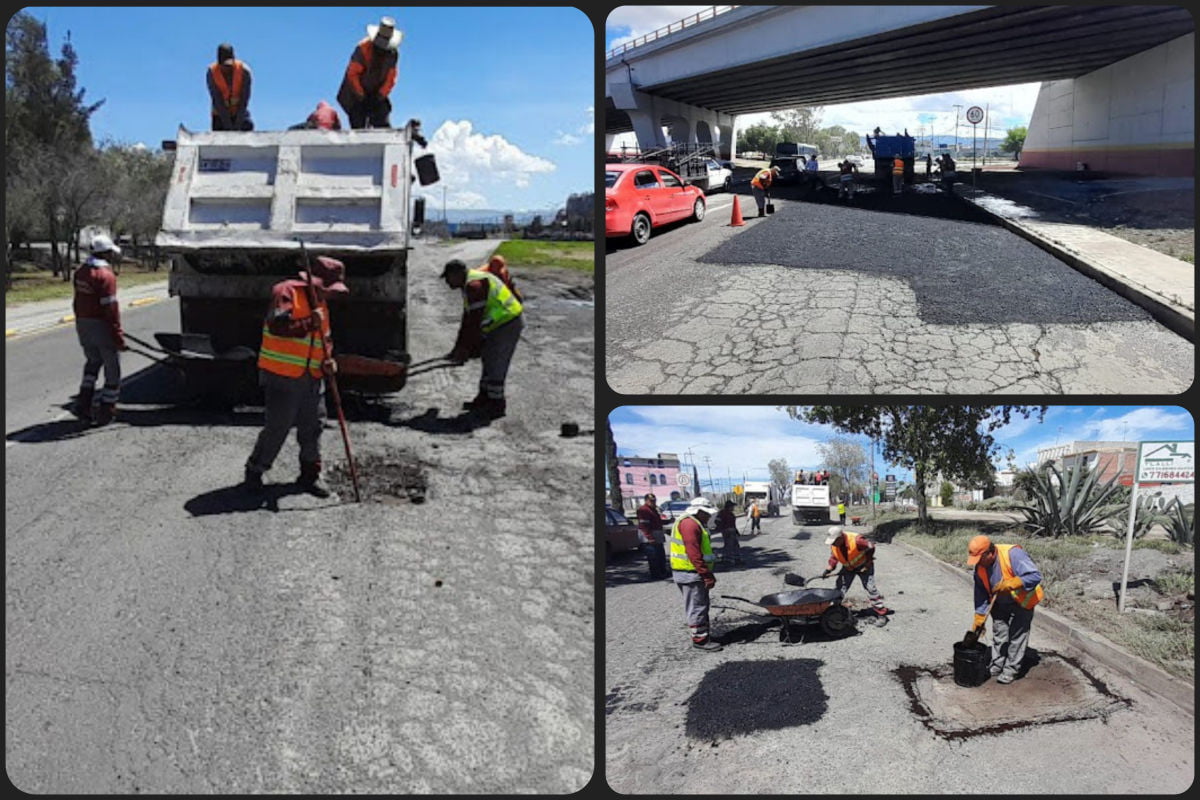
(427, 171)
(971, 662)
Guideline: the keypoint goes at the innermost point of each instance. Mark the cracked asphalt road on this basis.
(821, 298)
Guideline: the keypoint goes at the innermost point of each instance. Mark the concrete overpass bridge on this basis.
(1118, 81)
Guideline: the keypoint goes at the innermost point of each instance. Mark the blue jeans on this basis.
(656, 558)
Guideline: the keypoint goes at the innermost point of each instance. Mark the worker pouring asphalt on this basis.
(692, 560)
(291, 367)
(98, 325)
(1007, 572)
(370, 76)
(229, 88)
(856, 555)
(491, 326)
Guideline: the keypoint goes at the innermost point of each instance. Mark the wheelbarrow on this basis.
(808, 606)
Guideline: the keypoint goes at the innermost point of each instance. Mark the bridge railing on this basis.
(686, 22)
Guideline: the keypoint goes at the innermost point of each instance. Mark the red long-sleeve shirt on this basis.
(470, 331)
(96, 294)
(283, 303)
(690, 532)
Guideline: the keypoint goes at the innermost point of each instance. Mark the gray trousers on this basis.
(99, 350)
(846, 580)
(897, 183)
(289, 402)
(496, 354)
(1010, 634)
(695, 604)
(760, 197)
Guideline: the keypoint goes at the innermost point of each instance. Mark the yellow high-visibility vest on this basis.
(502, 305)
(679, 559)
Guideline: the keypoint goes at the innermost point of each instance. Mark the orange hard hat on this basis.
(976, 548)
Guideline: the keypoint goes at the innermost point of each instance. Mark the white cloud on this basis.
(566, 139)
(463, 198)
(1141, 424)
(589, 127)
(640, 20)
(467, 158)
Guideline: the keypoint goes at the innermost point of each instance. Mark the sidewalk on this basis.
(32, 317)
(1164, 286)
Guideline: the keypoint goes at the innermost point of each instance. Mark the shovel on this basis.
(973, 635)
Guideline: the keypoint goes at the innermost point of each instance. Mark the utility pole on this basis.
(708, 465)
(874, 481)
(444, 219)
(956, 109)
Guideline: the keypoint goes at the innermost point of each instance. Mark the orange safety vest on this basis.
(289, 356)
(233, 97)
(766, 175)
(898, 166)
(354, 72)
(755, 511)
(1024, 598)
(852, 558)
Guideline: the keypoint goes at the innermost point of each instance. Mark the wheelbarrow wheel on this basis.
(837, 621)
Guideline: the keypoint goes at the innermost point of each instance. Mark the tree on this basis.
(799, 124)
(951, 440)
(847, 464)
(760, 137)
(781, 474)
(614, 471)
(947, 494)
(1014, 141)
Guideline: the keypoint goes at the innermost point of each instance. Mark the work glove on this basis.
(1010, 584)
(980, 620)
(710, 581)
(329, 366)
(826, 573)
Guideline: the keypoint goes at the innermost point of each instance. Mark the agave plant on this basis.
(1077, 506)
(1180, 522)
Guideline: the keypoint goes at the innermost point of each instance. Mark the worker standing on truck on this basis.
(760, 187)
(229, 88)
(98, 325)
(691, 566)
(1007, 571)
(491, 325)
(291, 368)
(370, 76)
(897, 175)
(726, 525)
(856, 555)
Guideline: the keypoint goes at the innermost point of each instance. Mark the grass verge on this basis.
(524, 253)
(31, 284)
(1161, 638)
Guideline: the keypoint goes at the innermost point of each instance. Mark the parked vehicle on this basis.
(719, 177)
(764, 493)
(790, 158)
(621, 535)
(641, 197)
(886, 149)
(810, 504)
(673, 508)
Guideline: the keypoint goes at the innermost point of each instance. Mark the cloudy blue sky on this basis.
(1009, 105)
(742, 439)
(511, 125)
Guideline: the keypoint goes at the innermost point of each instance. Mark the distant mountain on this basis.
(457, 215)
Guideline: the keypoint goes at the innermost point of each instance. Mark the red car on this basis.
(639, 197)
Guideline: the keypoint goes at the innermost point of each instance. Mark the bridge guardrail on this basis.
(686, 22)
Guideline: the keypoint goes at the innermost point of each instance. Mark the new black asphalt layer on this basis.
(956, 267)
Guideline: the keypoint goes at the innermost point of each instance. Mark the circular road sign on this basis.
(682, 480)
(974, 115)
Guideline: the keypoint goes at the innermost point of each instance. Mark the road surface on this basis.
(916, 295)
(837, 716)
(166, 634)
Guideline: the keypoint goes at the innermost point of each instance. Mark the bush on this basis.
(947, 494)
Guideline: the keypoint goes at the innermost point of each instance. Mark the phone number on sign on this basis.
(1169, 475)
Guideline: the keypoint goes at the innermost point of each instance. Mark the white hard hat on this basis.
(834, 532)
(701, 504)
(103, 244)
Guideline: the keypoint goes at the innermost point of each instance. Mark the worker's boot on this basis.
(310, 479)
(82, 408)
(708, 645)
(762, 213)
(476, 403)
(493, 409)
(253, 481)
(105, 414)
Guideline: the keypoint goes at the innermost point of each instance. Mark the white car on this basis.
(719, 177)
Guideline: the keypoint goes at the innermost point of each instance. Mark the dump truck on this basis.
(884, 150)
(244, 209)
(764, 494)
(810, 504)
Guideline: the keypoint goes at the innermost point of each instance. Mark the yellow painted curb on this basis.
(67, 318)
(144, 301)
(10, 332)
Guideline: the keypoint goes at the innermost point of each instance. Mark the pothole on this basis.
(1055, 688)
(396, 480)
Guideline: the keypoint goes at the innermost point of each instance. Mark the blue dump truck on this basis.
(886, 148)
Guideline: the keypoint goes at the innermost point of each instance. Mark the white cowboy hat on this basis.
(386, 26)
(700, 504)
(834, 532)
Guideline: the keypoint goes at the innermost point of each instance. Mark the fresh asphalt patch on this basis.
(961, 272)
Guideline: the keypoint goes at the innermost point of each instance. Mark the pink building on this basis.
(641, 476)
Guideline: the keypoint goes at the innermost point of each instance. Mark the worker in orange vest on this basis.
(856, 555)
(291, 369)
(760, 187)
(498, 266)
(1006, 571)
(897, 175)
(229, 87)
(370, 76)
(755, 514)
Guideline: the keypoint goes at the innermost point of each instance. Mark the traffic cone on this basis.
(737, 213)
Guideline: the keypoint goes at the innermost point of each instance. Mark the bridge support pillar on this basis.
(658, 122)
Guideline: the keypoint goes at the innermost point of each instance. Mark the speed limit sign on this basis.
(974, 115)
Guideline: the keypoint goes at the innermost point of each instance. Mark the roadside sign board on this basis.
(889, 487)
(1166, 462)
(682, 480)
(974, 115)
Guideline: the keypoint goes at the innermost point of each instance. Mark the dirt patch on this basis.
(395, 480)
(1051, 688)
